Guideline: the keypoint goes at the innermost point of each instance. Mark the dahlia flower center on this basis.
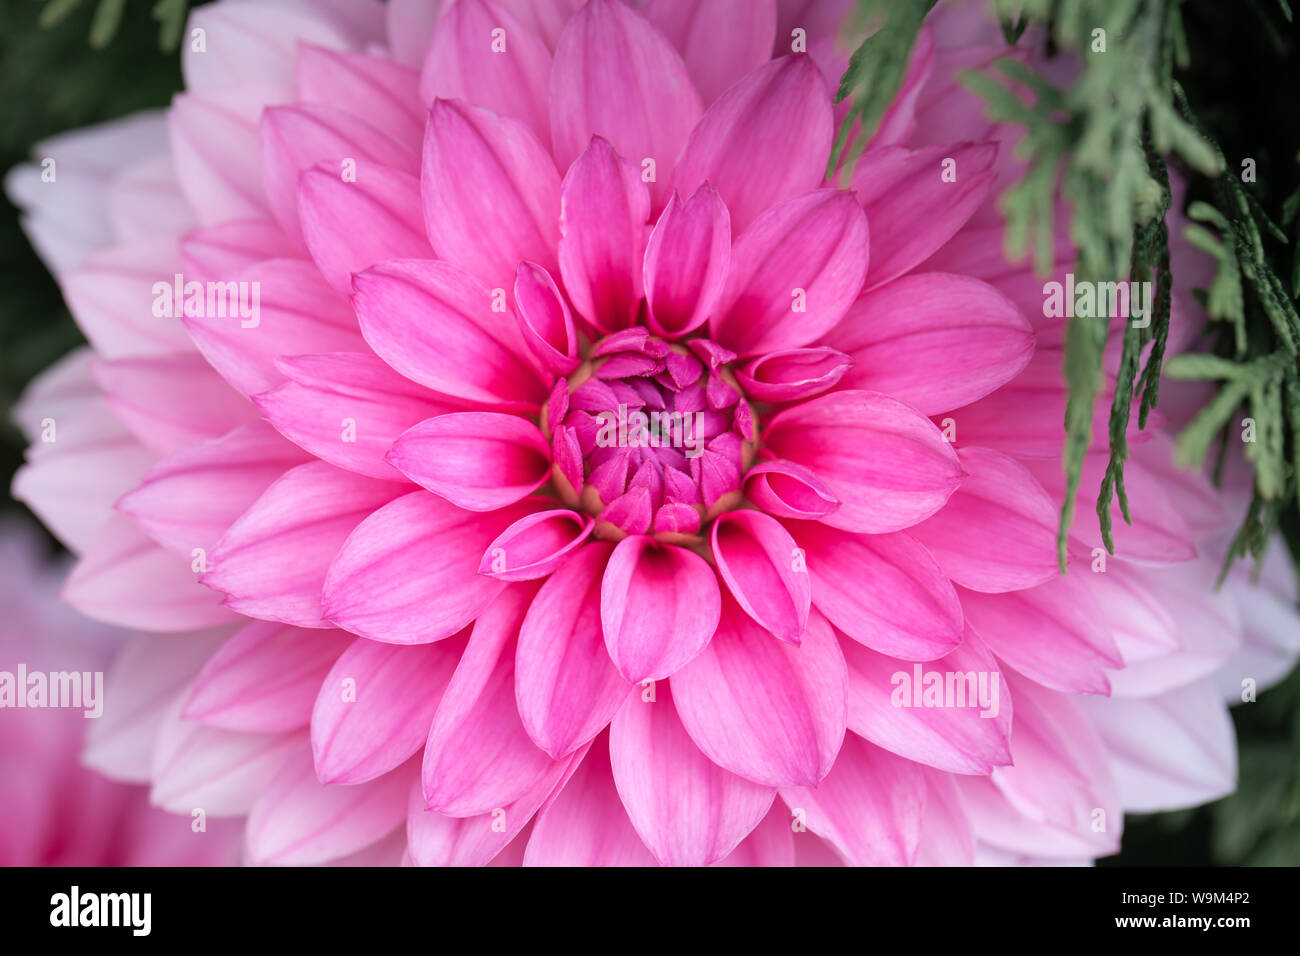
(652, 437)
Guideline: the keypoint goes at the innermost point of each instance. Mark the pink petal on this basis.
(771, 843)
(346, 408)
(409, 574)
(935, 341)
(557, 406)
(171, 402)
(1177, 749)
(883, 590)
(350, 225)
(111, 295)
(998, 530)
(787, 490)
(545, 320)
(480, 461)
(271, 563)
(1159, 533)
(535, 545)
(1036, 400)
(435, 839)
(62, 389)
(586, 824)
(566, 686)
(567, 469)
(794, 273)
(792, 375)
(71, 484)
(912, 210)
(148, 676)
(410, 27)
(687, 809)
(1144, 627)
(225, 250)
(889, 467)
(144, 200)
(763, 709)
(189, 499)
(745, 424)
(466, 61)
(512, 213)
(659, 606)
(687, 259)
(217, 156)
(298, 820)
(676, 519)
(124, 578)
(820, 20)
(883, 707)
(265, 678)
(946, 835)
(478, 756)
(372, 711)
(1190, 491)
(617, 76)
(945, 107)
(776, 120)
(296, 138)
(297, 313)
(388, 851)
(547, 17)
(1054, 634)
(435, 325)
(432, 839)
(66, 224)
(219, 770)
(759, 561)
(1046, 802)
(1207, 626)
(720, 40)
(376, 89)
(258, 46)
(604, 209)
(869, 806)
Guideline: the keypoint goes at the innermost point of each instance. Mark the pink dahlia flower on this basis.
(54, 811)
(543, 462)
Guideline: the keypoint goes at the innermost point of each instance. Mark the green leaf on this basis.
(170, 15)
(1197, 366)
(108, 17)
(1194, 442)
(55, 11)
(876, 71)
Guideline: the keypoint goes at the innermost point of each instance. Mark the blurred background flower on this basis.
(54, 811)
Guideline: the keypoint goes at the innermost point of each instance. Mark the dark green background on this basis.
(1243, 85)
